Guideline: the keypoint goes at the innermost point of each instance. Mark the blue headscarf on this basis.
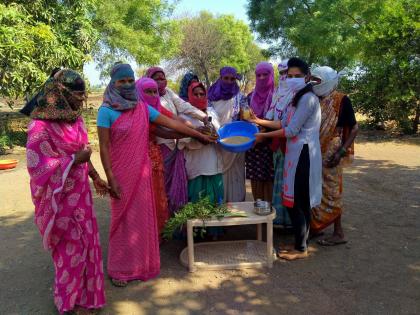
(185, 83)
(123, 97)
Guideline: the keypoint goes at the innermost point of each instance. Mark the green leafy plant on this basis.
(203, 209)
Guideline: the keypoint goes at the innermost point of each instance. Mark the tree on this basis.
(377, 39)
(210, 42)
(37, 36)
(134, 30)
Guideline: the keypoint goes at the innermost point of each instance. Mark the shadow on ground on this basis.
(377, 272)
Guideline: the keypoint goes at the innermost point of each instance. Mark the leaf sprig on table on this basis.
(202, 210)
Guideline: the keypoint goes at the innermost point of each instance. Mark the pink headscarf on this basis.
(147, 83)
(263, 92)
(162, 83)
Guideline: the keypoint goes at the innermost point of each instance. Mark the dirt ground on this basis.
(377, 272)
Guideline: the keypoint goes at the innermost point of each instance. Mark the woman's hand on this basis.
(114, 189)
(334, 160)
(101, 186)
(83, 155)
(259, 137)
(206, 139)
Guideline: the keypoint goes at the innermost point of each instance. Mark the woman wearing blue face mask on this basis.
(302, 176)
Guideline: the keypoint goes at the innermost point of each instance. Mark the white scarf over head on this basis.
(329, 80)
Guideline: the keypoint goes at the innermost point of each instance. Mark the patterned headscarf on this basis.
(147, 83)
(58, 99)
(263, 92)
(221, 90)
(124, 97)
(162, 83)
(283, 96)
(185, 83)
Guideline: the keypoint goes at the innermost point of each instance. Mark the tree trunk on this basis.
(206, 76)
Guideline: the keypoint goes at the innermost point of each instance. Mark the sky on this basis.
(234, 7)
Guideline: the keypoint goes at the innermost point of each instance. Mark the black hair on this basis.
(298, 63)
(304, 67)
(300, 93)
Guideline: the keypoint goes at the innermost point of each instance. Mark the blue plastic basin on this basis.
(237, 128)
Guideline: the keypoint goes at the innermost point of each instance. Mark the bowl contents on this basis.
(236, 140)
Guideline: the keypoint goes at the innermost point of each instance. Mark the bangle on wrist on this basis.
(93, 174)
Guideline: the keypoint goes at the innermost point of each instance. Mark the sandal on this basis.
(331, 242)
(119, 283)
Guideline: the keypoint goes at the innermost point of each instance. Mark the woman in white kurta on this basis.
(204, 163)
(302, 175)
(225, 98)
(174, 161)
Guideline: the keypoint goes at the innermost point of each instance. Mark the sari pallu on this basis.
(64, 213)
(133, 241)
(331, 139)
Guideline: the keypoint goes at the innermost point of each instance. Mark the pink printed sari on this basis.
(133, 241)
(64, 212)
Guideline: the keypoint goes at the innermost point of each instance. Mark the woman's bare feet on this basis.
(119, 283)
(286, 248)
(294, 255)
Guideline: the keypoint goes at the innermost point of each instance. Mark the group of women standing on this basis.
(158, 153)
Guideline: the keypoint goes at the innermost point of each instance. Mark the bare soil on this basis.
(377, 272)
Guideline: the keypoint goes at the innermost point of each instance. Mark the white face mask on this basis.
(295, 84)
(324, 89)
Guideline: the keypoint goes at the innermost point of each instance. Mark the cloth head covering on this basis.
(200, 103)
(147, 83)
(123, 97)
(56, 100)
(221, 90)
(263, 92)
(282, 78)
(329, 80)
(283, 96)
(31, 104)
(185, 83)
(161, 84)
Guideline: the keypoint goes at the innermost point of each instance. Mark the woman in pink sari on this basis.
(123, 128)
(58, 163)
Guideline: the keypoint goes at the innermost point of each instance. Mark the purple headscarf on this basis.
(221, 90)
(263, 92)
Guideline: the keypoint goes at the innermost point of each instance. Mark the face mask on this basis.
(323, 89)
(151, 100)
(295, 84)
(127, 90)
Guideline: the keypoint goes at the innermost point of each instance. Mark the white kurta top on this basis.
(172, 102)
(233, 163)
(202, 159)
(301, 127)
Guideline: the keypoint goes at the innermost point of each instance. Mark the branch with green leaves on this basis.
(203, 210)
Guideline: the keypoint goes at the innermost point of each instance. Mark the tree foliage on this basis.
(210, 42)
(39, 35)
(378, 40)
(138, 30)
(36, 36)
